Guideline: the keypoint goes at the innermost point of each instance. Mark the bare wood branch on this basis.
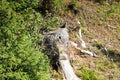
(83, 45)
(83, 51)
(107, 53)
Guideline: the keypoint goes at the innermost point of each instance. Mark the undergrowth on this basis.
(22, 28)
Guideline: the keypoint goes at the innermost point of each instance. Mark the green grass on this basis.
(88, 74)
(103, 70)
(95, 18)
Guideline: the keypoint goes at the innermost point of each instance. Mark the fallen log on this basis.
(67, 69)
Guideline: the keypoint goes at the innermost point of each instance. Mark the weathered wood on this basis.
(82, 50)
(67, 69)
(57, 45)
(83, 45)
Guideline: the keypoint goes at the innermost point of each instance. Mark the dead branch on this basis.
(83, 45)
(81, 50)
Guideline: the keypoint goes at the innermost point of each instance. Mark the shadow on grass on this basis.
(112, 55)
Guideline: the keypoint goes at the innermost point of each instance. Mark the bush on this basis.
(19, 59)
(52, 5)
(50, 24)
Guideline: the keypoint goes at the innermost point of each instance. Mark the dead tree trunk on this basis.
(67, 69)
(57, 47)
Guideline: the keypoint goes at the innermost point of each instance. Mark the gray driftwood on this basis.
(57, 49)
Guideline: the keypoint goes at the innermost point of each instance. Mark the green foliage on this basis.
(98, 44)
(88, 74)
(72, 4)
(19, 59)
(50, 24)
(52, 5)
(104, 64)
(110, 11)
(101, 70)
(23, 4)
(59, 4)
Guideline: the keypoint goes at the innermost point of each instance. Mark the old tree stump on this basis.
(57, 49)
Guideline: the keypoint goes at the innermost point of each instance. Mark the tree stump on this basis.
(57, 48)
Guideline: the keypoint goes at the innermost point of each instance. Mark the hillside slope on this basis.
(100, 25)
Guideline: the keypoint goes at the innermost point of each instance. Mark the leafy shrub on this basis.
(19, 59)
(52, 5)
(59, 4)
(50, 24)
(19, 5)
